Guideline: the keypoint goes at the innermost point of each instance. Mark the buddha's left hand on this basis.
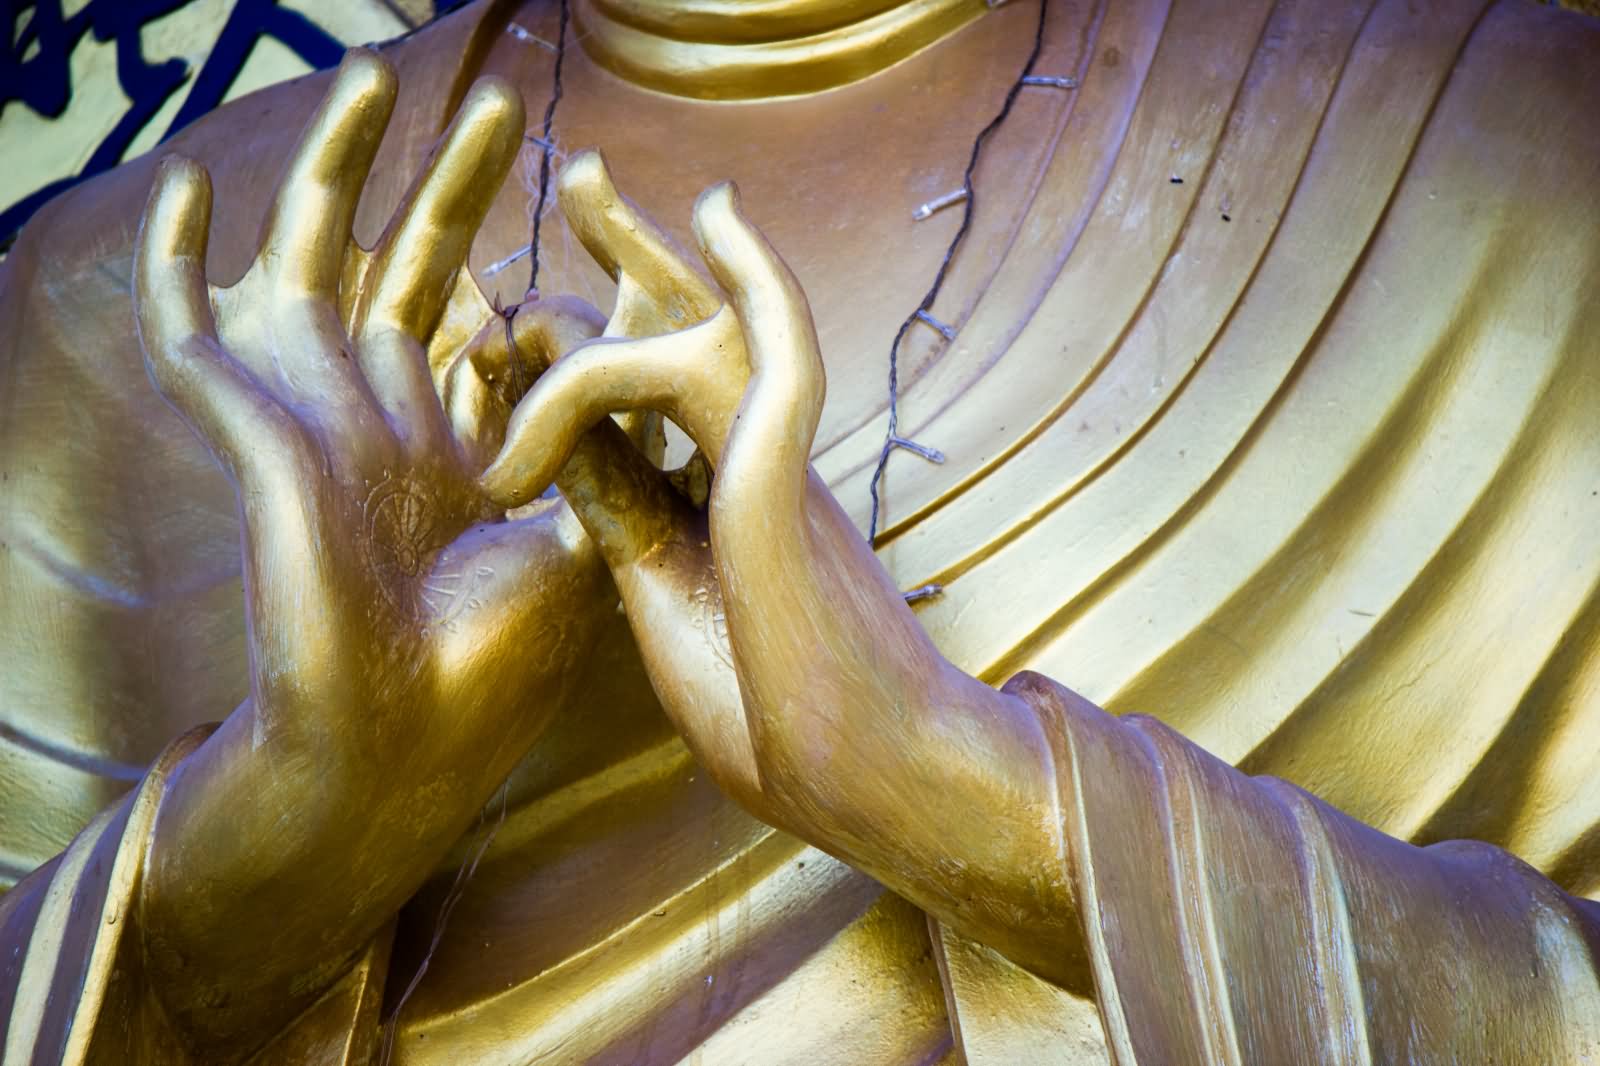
(780, 647)
(407, 640)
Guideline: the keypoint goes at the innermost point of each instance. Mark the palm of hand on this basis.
(409, 640)
(377, 574)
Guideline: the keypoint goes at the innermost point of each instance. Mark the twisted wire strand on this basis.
(545, 148)
(892, 438)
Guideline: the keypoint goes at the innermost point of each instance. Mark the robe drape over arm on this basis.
(1236, 919)
(72, 987)
(73, 984)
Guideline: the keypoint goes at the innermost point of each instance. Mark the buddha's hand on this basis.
(380, 581)
(782, 649)
(407, 639)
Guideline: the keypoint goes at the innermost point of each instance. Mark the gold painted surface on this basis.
(1181, 522)
(1214, 917)
(1003, 1014)
(331, 385)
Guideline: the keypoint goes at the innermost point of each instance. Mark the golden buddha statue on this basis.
(1266, 407)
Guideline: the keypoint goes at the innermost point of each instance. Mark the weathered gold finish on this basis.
(1109, 856)
(1312, 479)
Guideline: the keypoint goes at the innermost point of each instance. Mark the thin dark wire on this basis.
(545, 149)
(891, 439)
(513, 356)
(458, 888)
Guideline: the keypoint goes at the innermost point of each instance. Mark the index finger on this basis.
(659, 289)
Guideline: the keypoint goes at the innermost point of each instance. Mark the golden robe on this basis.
(1271, 412)
(1276, 930)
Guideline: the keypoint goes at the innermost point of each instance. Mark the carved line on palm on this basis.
(340, 396)
(328, 418)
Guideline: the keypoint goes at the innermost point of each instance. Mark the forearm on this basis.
(279, 853)
(879, 750)
(971, 828)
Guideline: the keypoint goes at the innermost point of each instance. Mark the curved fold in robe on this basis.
(71, 987)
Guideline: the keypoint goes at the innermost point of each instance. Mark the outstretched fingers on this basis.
(427, 241)
(242, 426)
(308, 225)
(422, 251)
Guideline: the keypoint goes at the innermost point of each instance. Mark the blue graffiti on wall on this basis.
(43, 80)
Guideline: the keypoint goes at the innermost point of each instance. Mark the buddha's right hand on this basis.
(780, 647)
(407, 639)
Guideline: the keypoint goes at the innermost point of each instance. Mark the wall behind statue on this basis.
(85, 84)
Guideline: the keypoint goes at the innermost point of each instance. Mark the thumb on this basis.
(489, 375)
